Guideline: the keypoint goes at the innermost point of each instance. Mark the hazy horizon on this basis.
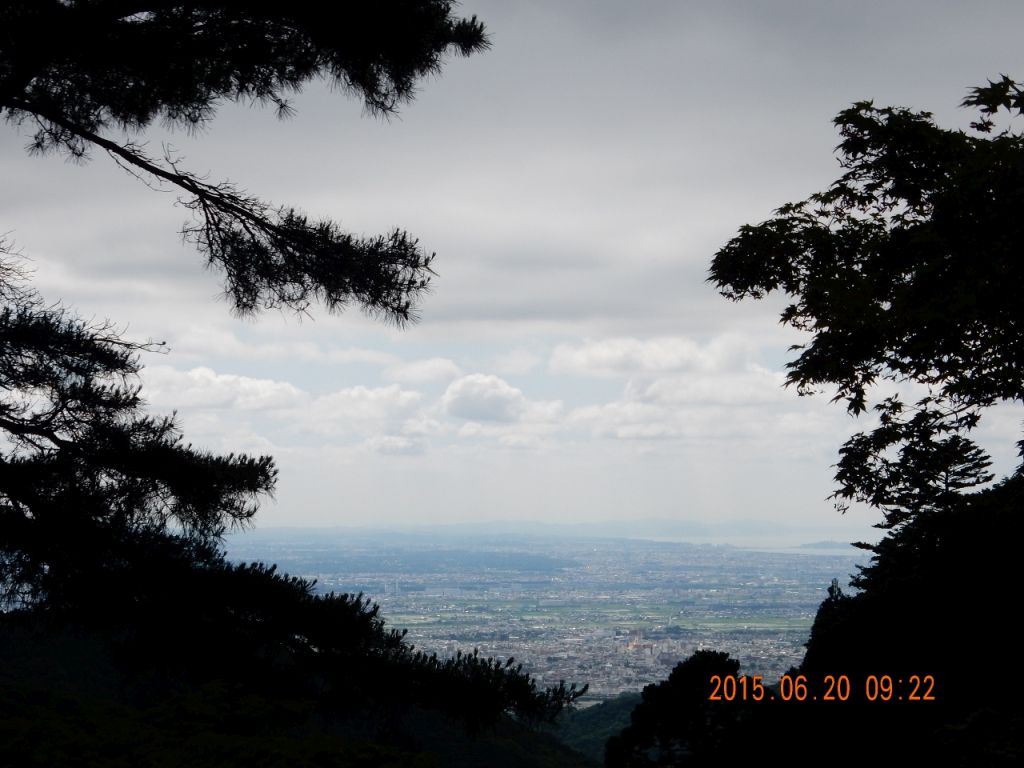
(736, 533)
(571, 363)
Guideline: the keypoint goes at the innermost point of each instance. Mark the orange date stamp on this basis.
(830, 688)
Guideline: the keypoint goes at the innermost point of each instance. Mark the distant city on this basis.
(615, 613)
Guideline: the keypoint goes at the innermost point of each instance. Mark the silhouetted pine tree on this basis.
(907, 270)
(86, 476)
(82, 73)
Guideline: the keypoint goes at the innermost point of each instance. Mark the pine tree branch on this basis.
(287, 262)
(81, 69)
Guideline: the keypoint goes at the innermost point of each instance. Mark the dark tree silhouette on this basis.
(906, 269)
(83, 469)
(77, 73)
(675, 723)
(110, 525)
(109, 522)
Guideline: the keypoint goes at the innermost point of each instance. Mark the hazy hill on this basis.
(67, 699)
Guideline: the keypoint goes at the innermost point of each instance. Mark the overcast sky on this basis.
(571, 362)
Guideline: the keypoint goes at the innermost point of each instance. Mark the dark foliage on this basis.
(906, 269)
(675, 723)
(937, 600)
(69, 698)
(84, 471)
(241, 622)
(75, 71)
(110, 526)
(588, 730)
(108, 521)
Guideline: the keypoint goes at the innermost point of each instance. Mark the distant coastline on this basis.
(747, 534)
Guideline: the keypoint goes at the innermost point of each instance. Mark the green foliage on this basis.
(75, 71)
(86, 476)
(110, 525)
(916, 460)
(109, 521)
(225, 682)
(934, 601)
(477, 687)
(906, 269)
(675, 723)
(64, 702)
(588, 730)
(245, 620)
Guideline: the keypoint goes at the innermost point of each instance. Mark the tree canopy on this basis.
(93, 74)
(83, 467)
(675, 723)
(905, 274)
(906, 269)
(110, 524)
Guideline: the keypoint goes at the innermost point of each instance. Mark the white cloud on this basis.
(430, 369)
(347, 356)
(516, 362)
(243, 440)
(360, 409)
(483, 397)
(489, 398)
(738, 408)
(471, 429)
(167, 387)
(626, 418)
(520, 441)
(213, 341)
(396, 445)
(627, 356)
(422, 425)
(543, 411)
(755, 386)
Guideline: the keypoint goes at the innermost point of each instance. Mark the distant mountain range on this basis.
(741, 533)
